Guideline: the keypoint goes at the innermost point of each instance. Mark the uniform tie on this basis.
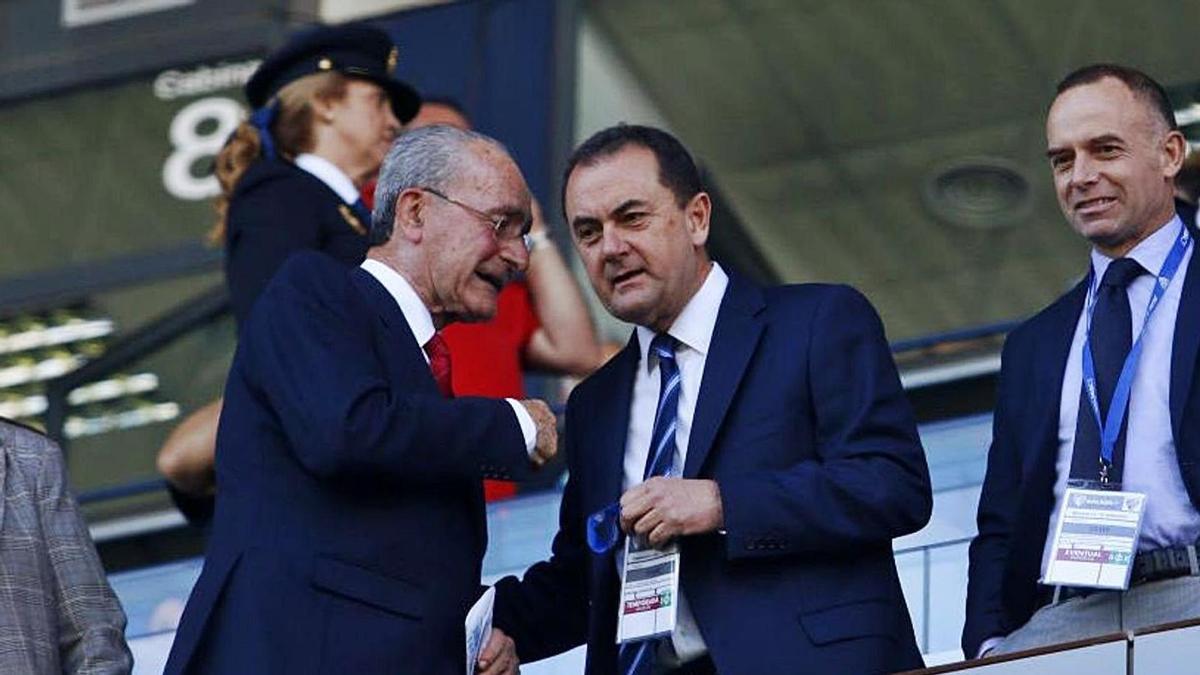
(362, 213)
(1111, 339)
(439, 363)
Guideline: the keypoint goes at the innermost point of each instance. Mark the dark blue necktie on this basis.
(1111, 338)
(637, 658)
(360, 210)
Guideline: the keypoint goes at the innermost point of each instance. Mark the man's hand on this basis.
(664, 508)
(546, 445)
(499, 656)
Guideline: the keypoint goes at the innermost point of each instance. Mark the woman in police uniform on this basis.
(326, 109)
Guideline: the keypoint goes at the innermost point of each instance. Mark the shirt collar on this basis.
(420, 321)
(328, 173)
(1150, 253)
(694, 325)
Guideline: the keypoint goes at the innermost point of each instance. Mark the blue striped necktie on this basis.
(637, 658)
(661, 459)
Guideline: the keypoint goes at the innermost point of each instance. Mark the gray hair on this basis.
(427, 157)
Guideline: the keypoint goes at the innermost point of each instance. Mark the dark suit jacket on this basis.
(802, 422)
(276, 210)
(1018, 489)
(350, 532)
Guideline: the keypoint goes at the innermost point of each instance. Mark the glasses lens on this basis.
(511, 228)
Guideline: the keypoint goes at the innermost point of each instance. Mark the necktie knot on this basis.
(439, 363)
(1121, 272)
(663, 345)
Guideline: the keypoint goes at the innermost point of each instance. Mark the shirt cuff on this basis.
(988, 645)
(528, 428)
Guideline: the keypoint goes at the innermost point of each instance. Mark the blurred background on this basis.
(894, 145)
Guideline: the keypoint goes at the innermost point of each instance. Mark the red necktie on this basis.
(439, 363)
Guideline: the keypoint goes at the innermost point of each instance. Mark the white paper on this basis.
(479, 627)
(1095, 539)
(649, 592)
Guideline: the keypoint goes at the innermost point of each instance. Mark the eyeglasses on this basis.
(506, 227)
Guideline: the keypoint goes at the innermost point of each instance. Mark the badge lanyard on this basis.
(1110, 428)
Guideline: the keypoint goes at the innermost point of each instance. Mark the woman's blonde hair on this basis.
(292, 132)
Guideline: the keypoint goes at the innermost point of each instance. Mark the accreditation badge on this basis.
(649, 591)
(1095, 538)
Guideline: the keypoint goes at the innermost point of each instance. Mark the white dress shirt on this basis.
(1150, 462)
(328, 173)
(693, 329)
(1151, 465)
(420, 322)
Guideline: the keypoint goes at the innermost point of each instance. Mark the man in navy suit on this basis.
(790, 460)
(1114, 150)
(350, 532)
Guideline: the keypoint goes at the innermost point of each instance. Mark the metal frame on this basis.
(71, 283)
(199, 310)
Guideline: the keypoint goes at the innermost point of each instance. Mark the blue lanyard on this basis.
(1110, 429)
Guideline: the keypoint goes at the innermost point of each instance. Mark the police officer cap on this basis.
(356, 50)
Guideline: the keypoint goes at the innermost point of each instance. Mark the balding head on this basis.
(1114, 156)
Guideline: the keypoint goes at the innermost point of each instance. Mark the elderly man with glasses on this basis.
(350, 532)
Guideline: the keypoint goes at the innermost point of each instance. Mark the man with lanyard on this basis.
(1088, 517)
(753, 444)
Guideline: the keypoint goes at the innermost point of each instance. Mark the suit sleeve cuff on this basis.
(528, 428)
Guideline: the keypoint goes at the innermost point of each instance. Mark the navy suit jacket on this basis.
(277, 209)
(350, 531)
(802, 422)
(1018, 489)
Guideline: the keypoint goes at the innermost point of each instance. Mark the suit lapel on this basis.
(410, 370)
(1039, 440)
(1185, 345)
(382, 302)
(1049, 366)
(734, 340)
(394, 323)
(609, 417)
